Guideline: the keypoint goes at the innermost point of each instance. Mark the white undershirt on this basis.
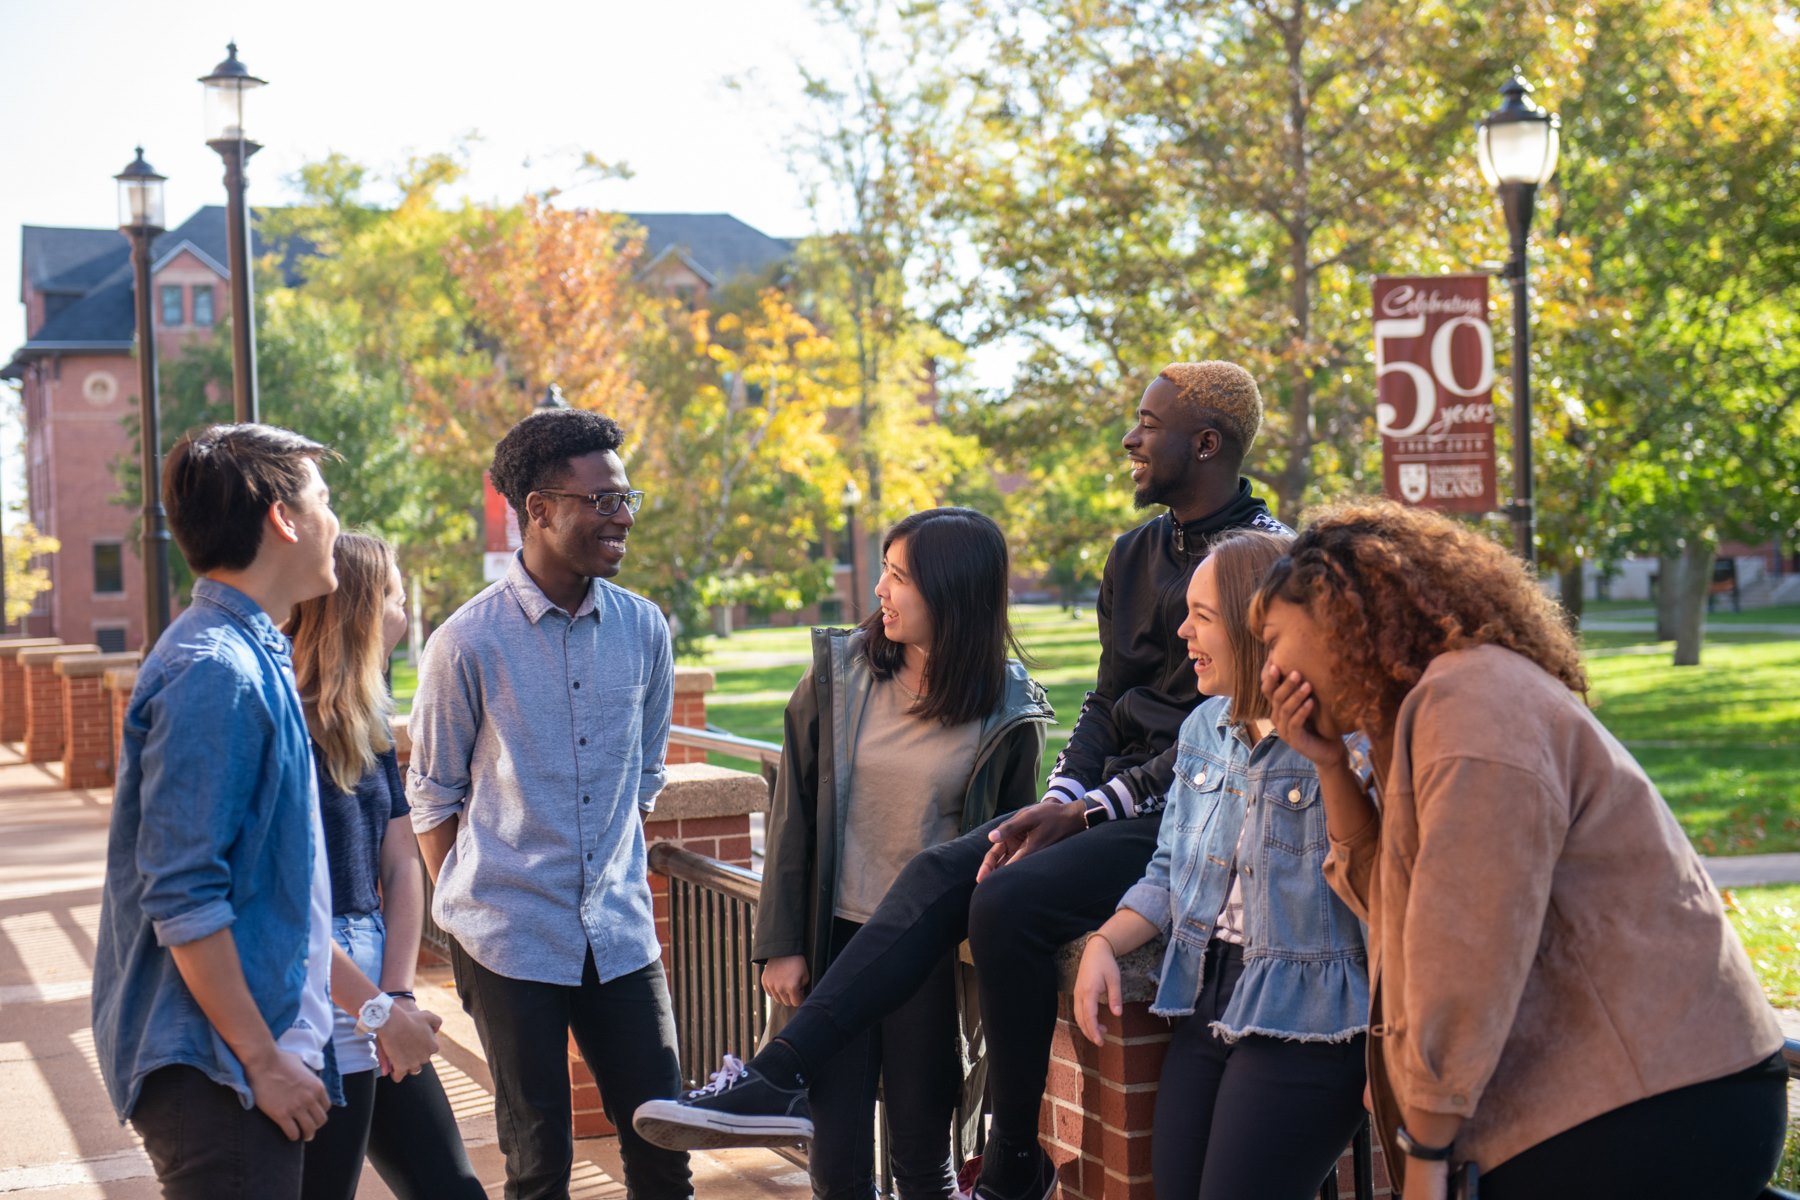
(311, 1029)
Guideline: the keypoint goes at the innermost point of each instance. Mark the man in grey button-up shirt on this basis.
(539, 731)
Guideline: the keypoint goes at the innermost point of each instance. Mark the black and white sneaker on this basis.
(738, 1107)
(1015, 1173)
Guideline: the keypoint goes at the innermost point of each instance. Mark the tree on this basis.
(27, 577)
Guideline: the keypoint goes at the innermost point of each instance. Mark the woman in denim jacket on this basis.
(1265, 968)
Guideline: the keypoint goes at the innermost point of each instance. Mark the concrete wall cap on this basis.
(703, 790)
(1138, 971)
(120, 679)
(41, 655)
(85, 666)
(11, 647)
(689, 680)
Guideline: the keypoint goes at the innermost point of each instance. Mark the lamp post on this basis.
(141, 220)
(1517, 145)
(851, 497)
(226, 90)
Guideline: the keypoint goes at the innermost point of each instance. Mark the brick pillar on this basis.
(88, 745)
(119, 682)
(705, 809)
(1099, 1101)
(12, 685)
(44, 701)
(691, 686)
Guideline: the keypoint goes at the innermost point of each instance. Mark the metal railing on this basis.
(715, 987)
(715, 741)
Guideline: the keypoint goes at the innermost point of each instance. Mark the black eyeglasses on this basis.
(605, 503)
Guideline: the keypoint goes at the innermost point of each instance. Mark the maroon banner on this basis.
(502, 532)
(1434, 377)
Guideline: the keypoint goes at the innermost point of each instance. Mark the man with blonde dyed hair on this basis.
(1008, 886)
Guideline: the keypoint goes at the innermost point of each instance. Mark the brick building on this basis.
(79, 379)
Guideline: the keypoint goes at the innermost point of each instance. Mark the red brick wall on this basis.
(690, 710)
(44, 713)
(88, 733)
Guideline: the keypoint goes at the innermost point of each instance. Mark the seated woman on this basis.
(1265, 970)
(906, 732)
(1557, 996)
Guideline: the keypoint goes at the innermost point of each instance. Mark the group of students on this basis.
(1345, 775)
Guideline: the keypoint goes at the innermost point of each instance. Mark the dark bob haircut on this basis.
(535, 453)
(221, 480)
(958, 560)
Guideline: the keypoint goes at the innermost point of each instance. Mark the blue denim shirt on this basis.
(211, 829)
(1306, 975)
(545, 732)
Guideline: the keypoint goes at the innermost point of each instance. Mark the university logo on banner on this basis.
(1434, 375)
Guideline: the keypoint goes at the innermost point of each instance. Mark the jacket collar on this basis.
(247, 612)
(1244, 511)
(531, 597)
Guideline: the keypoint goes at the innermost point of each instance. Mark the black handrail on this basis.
(666, 858)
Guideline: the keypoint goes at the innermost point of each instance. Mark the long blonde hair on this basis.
(338, 661)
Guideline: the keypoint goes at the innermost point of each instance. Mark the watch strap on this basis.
(1413, 1149)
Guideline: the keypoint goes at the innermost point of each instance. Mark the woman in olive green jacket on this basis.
(907, 731)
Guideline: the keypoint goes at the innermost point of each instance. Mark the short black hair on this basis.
(219, 483)
(535, 453)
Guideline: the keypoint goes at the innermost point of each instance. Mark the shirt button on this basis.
(578, 685)
(1458, 1099)
(584, 741)
(585, 799)
(590, 856)
(1294, 796)
(1200, 778)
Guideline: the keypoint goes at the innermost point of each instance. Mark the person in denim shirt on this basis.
(1264, 967)
(539, 732)
(213, 969)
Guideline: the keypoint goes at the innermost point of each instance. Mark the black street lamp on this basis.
(851, 497)
(226, 89)
(141, 220)
(1517, 146)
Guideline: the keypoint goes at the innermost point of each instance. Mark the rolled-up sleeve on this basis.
(195, 795)
(659, 709)
(446, 716)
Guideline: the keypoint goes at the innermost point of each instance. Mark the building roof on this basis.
(89, 270)
(716, 245)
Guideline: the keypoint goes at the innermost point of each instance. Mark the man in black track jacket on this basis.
(1038, 886)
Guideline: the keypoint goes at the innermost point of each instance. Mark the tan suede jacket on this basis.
(1544, 944)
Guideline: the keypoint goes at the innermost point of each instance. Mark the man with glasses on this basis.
(539, 730)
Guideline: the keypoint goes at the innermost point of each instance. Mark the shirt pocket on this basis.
(619, 717)
(1193, 806)
(1294, 816)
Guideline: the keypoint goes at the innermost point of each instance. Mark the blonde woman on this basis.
(341, 646)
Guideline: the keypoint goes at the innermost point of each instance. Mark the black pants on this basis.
(919, 1042)
(205, 1144)
(1719, 1140)
(1261, 1116)
(1014, 922)
(409, 1134)
(625, 1030)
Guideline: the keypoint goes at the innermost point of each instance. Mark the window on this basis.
(203, 309)
(109, 567)
(171, 304)
(110, 639)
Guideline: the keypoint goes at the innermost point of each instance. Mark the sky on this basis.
(700, 98)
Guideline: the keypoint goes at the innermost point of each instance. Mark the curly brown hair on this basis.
(1399, 586)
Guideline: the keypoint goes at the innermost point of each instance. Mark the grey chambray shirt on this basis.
(546, 733)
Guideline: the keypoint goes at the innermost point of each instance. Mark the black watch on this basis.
(1097, 815)
(1413, 1149)
(404, 996)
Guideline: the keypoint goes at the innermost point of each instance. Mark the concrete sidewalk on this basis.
(58, 1135)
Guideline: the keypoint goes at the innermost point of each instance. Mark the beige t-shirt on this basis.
(907, 784)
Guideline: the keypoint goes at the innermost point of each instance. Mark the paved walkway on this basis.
(58, 1135)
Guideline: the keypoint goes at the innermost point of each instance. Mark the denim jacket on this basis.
(211, 829)
(1306, 972)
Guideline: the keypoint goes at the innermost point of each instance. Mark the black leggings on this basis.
(408, 1132)
(1261, 1116)
(912, 1055)
(1719, 1140)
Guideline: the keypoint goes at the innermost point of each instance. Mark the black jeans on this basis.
(1261, 1116)
(409, 1134)
(1720, 1140)
(205, 1144)
(625, 1030)
(1014, 922)
(919, 1041)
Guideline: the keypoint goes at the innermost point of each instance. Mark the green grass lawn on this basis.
(1768, 919)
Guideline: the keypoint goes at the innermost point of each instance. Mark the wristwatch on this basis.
(374, 1013)
(1413, 1149)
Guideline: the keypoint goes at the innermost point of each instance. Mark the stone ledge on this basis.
(86, 666)
(11, 647)
(1138, 971)
(689, 680)
(703, 790)
(120, 679)
(41, 655)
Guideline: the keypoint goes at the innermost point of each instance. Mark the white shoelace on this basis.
(721, 1080)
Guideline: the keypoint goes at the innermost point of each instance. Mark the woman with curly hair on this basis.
(1556, 996)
